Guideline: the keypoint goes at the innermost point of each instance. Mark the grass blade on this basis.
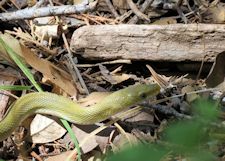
(15, 87)
(15, 57)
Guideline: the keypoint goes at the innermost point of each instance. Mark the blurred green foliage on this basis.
(189, 139)
(140, 152)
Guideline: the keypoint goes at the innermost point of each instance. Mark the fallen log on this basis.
(176, 42)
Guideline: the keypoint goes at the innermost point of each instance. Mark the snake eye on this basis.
(143, 95)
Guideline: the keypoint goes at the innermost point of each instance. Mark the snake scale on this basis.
(62, 107)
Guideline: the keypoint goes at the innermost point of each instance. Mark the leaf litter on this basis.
(39, 44)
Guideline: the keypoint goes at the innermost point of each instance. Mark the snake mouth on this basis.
(155, 89)
(148, 91)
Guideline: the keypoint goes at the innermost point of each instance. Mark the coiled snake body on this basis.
(62, 107)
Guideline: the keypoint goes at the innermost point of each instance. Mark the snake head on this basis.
(119, 101)
(141, 92)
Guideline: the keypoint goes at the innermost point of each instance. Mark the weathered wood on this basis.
(177, 42)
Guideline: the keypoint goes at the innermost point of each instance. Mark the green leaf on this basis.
(206, 109)
(202, 156)
(15, 87)
(185, 135)
(16, 58)
(139, 152)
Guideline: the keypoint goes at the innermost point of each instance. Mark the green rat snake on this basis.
(62, 107)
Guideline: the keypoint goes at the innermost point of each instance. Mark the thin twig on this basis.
(40, 3)
(171, 111)
(111, 7)
(124, 16)
(136, 11)
(119, 61)
(28, 38)
(180, 12)
(165, 110)
(144, 7)
(2, 2)
(74, 65)
(203, 60)
(33, 12)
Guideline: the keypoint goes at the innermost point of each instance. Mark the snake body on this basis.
(62, 107)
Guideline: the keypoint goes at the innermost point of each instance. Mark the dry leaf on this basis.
(44, 130)
(144, 136)
(50, 72)
(83, 131)
(215, 13)
(159, 79)
(106, 74)
(140, 116)
(112, 77)
(81, 134)
(8, 76)
(46, 27)
(54, 74)
(75, 2)
(121, 78)
(217, 73)
(20, 3)
(121, 4)
(12, 43)
(190, 97)
(95, 156)
(121, 141)
(47, 31)
(61, 157)
(165, 21)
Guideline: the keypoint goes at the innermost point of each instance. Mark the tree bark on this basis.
(176, 42)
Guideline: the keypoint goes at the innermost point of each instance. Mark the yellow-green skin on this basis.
(62, 107)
